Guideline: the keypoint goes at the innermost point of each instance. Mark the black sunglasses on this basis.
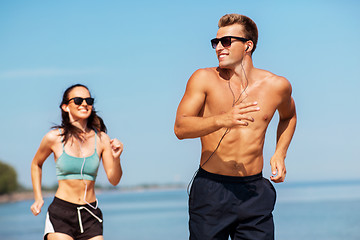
(226, 41)
(79, 100)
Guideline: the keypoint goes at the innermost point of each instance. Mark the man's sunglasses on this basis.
(226, 41)
(79, 100)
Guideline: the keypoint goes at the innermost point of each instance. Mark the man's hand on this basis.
(278, 169)
(238, 115)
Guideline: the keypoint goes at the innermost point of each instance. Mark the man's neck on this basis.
(240, 72)
(244, 68)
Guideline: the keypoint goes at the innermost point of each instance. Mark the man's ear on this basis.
(249, 46)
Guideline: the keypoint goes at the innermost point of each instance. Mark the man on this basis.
(229, 107)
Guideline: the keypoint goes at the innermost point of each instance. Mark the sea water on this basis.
(329, 211)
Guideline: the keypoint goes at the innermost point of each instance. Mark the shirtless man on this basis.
(229, 107)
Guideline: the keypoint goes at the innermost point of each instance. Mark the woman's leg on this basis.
(58, 236)
(97, 238)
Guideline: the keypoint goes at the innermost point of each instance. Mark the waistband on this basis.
(223, 178)
(69, 205)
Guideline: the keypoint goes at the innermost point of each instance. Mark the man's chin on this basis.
(224, 66)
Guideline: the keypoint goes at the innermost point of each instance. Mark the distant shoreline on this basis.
(21, 196)
(16, 197)
(29, 195)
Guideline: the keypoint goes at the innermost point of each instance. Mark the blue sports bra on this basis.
(69, 167)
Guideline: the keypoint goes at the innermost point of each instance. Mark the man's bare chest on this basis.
(222, 99)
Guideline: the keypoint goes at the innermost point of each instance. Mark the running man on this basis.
(230, 107)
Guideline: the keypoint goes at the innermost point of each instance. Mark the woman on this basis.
(78, 144)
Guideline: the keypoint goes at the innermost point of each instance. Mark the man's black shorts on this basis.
(222, 206)
(78, 221)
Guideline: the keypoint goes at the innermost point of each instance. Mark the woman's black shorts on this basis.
(78, 221)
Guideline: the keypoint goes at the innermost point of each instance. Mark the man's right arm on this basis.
(189, 124)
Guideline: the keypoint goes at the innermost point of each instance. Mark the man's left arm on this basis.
(285, 132)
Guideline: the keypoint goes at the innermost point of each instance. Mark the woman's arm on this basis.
(41, 155)
(112, 150)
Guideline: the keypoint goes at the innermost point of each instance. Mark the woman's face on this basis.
(81, 111)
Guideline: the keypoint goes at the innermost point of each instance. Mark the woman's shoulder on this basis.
(103, 141)
(103, 135)
(52, 136)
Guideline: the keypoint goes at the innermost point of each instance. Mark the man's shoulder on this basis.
(203, 76)
(272, 78)
(205, 72)
(280, 82)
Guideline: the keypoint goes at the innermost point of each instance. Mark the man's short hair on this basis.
(250, 28)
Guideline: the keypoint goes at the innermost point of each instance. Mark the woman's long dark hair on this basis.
(69, 130)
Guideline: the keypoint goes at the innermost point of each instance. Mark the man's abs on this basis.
(236, 155)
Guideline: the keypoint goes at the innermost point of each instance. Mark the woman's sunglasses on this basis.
(226, 41)
(79, 100)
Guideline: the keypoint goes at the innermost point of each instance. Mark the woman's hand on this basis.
(36, 207)
(116, 147)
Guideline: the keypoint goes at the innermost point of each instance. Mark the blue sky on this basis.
(136, 57)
